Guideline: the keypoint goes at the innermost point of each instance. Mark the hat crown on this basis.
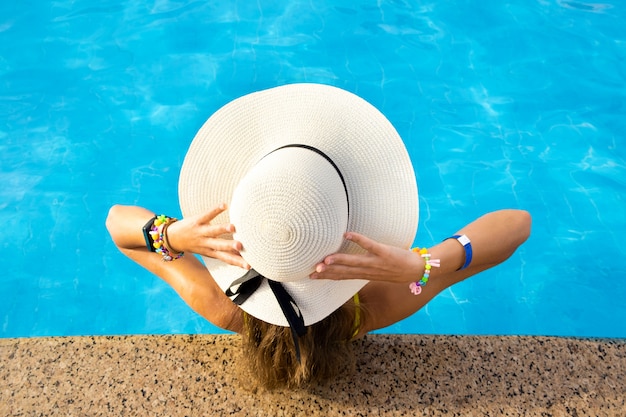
(290, 211)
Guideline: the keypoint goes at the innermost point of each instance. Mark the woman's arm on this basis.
(494, 237)
(187, 275)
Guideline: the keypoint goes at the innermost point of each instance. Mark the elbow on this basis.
(526, 225)
(523, 222)
(518, 224)
(112, 222)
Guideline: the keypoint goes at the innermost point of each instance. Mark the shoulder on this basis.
(387, 303)
(206, 298)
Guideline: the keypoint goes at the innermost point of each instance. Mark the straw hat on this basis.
(300, 165)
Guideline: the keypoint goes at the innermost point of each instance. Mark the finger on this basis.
(363, 241)
(214, 212)
(340, 272)
(231, 258)
(227, 253)
(219, 229)
(224, 245)
(351, 260)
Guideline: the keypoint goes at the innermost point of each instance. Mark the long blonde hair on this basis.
(269, 357)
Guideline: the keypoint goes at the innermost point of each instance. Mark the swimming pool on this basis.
(501, 104)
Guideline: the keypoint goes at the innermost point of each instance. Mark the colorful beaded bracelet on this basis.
(166, 243)
(416, 287)
(158, 233)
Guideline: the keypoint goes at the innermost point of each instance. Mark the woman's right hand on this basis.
(197, 235)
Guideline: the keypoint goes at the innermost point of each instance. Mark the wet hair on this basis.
(269, 356)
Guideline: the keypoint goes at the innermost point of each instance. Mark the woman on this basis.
(313, 252)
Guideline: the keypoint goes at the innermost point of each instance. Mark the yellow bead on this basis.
(423, 251)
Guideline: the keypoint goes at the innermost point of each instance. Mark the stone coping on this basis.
(397, 375)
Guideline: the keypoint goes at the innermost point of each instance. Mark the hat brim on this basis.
(366, 148)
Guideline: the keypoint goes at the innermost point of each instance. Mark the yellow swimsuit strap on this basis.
(357, 317)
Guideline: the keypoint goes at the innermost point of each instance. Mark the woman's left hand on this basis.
(380, 263)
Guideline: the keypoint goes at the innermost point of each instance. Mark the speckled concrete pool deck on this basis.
(397, 375)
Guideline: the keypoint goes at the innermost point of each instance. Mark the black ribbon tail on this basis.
(292, 313)
(250, 282)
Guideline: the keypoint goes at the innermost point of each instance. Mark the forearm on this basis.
(189, 235)
(494, 237)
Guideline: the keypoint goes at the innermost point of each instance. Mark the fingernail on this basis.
(329, 261)
(348, 236)
(313, 276)
(320, 268)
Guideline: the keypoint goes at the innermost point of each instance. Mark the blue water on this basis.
(501, 104)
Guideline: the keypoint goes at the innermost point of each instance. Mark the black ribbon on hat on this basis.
(326, 157)
(250, 282)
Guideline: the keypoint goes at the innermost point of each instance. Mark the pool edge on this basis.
(397, 375)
